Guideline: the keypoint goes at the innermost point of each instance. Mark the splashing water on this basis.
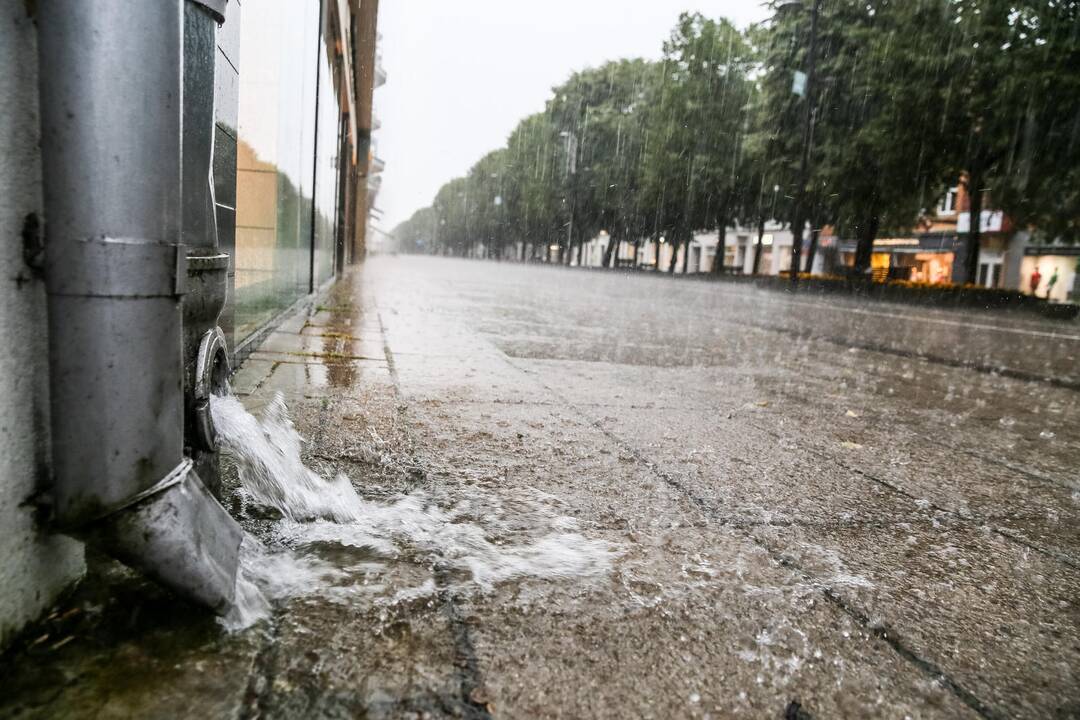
(521, 536)
(266, 576)
(266, 451)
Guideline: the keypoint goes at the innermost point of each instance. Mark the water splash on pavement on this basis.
(479, 538)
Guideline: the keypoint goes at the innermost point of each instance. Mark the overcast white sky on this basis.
(463, 73)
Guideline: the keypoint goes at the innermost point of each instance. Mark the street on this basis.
(600, 495)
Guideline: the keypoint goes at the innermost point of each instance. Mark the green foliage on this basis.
(907, 96)
(1014, 107)
(695, 124)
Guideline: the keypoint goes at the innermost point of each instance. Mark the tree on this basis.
(1014, 103)
(598, 114)
(878, 149)
(531, 205)
(694, 124)
(710, 94)
(417, 234)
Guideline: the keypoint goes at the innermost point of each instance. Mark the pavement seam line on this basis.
(470, 675)
(925, 666)
(986, 369)
(859, 616)
(971, 517)
(1031, 474)
(264, 669)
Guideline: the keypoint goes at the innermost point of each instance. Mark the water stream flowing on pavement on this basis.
(481, 539)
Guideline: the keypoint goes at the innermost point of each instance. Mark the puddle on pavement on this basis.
(336, 544)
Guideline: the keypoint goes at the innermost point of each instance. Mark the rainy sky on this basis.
(462, 74)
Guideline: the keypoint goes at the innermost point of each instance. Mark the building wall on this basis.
(296, 140)
(226, 109)
(739, 251)
(34, 567)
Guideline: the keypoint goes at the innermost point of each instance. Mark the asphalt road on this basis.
(612, 496)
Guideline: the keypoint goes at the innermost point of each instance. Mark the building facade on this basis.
(34, 565)
(1009, 257)
(303, 124)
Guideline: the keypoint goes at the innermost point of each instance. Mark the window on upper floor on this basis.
(948, 203)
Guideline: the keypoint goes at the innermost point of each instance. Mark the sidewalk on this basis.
(718, 536)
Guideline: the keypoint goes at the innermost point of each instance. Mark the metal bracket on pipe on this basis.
(175, 475)
(116, 267)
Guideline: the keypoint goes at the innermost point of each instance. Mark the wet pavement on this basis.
(610, 496)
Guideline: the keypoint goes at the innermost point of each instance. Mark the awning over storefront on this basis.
(924, 243)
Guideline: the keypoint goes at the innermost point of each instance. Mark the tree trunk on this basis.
(721, 247)
(758, 246)
(971, 249)
(674, 256)
(580, 250)
(686, 253)
(865, 246)
(815, 233)
(609, 251)
(637, 252)
(721, 238)
(798, 225)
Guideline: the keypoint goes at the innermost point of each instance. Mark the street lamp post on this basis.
(808, 124)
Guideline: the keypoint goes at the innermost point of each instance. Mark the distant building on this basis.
(739, 249)
(934, 252)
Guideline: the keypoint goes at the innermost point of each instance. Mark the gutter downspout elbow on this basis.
(111, 95)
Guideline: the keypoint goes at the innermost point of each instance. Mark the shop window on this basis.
(948, 203)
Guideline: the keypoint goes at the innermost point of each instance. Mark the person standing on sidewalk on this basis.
(1036, 278)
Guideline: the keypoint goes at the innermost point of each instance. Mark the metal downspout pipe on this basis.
(111, 93)
(206, 352)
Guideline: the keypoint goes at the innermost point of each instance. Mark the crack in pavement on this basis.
(261, 677)
(1027, 472)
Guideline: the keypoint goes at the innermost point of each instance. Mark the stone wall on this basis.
(34, 566)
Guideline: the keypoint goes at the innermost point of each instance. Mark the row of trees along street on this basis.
(852, 114)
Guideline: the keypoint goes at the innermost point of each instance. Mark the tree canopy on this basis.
(905, 97)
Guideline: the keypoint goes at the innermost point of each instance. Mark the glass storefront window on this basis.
(326, 159)
(275, 158)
